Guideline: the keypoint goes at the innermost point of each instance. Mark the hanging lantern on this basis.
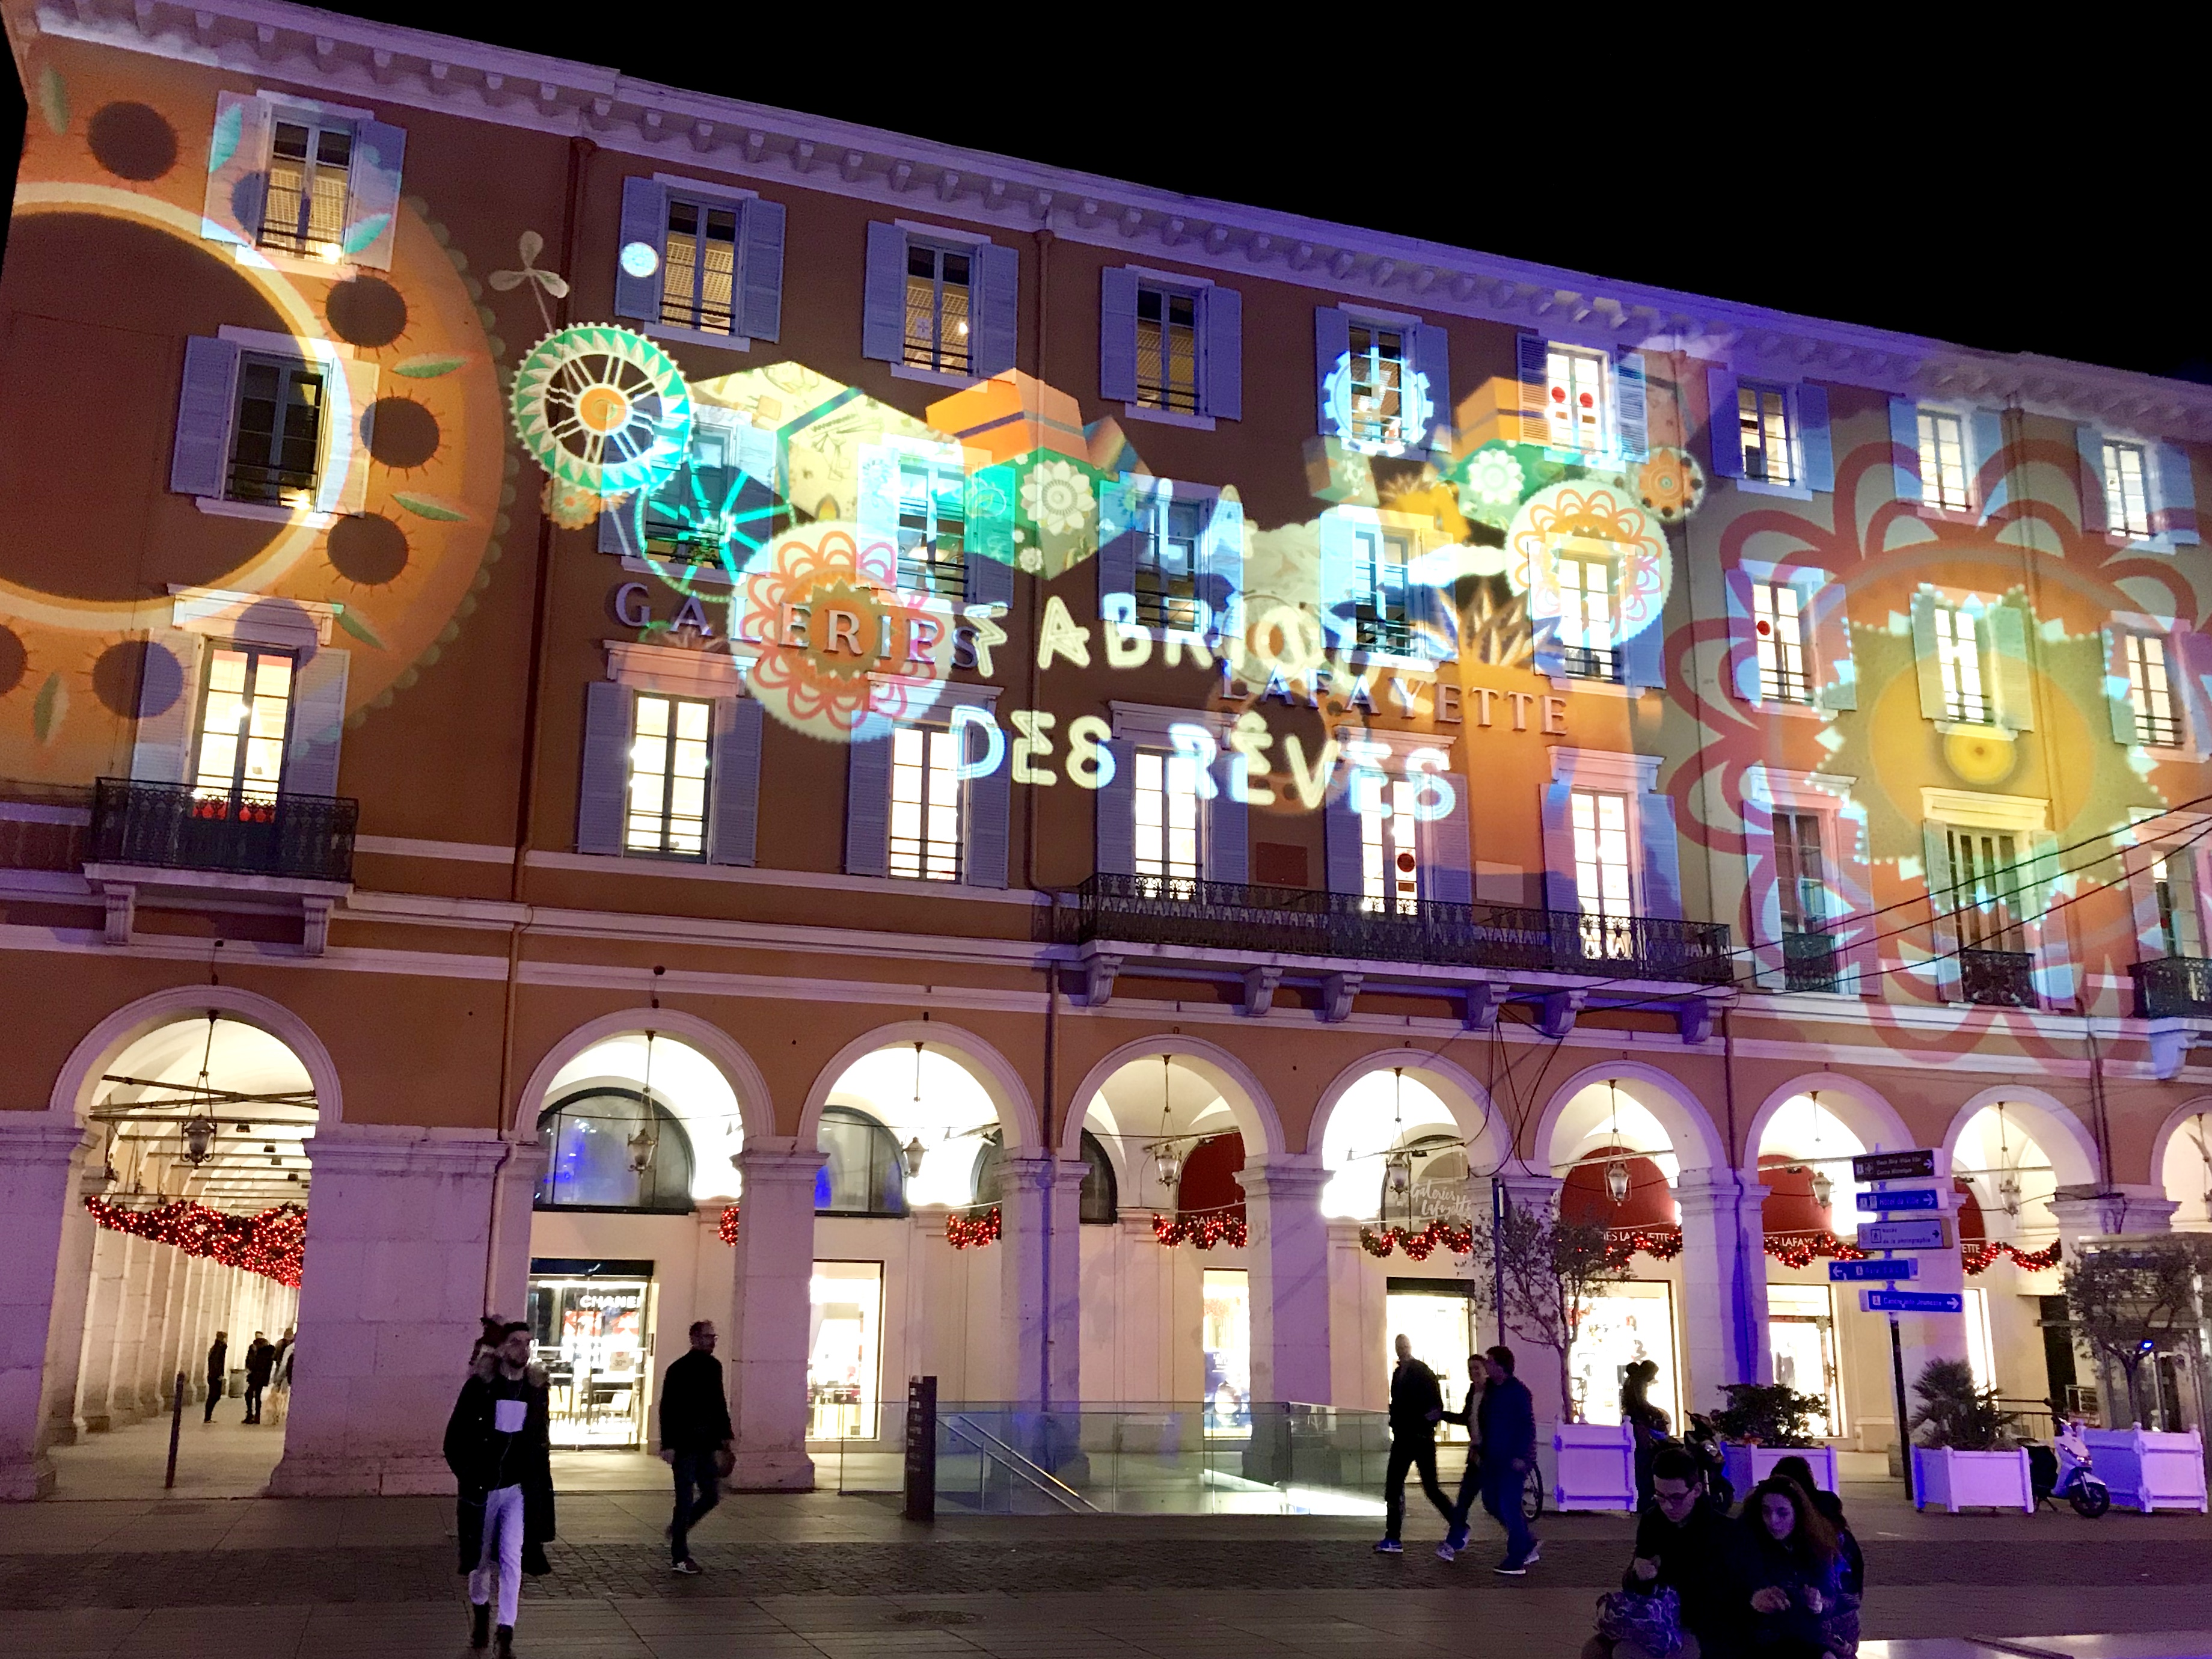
(1167, 1164)
(2008, 1191)
(199, 1138)
(914, 1152)
(1398, 1172)
(642, 1149)
(1824, 1189)
(1616, 1181)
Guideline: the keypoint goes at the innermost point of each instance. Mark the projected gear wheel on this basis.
(602, 409)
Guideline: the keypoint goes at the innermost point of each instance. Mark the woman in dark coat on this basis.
(1832, 1511)
(1794, 1572)
(498, 1445)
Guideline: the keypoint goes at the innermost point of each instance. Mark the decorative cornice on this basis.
(386, 65)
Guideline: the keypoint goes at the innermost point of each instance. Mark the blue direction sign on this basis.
(1903, 1267)
(1918, 1164)
(1912, 1302)
(1903, 1198)
(1902, 1235)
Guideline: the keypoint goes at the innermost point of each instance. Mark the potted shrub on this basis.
(1764, 1423)
(1960, 1460)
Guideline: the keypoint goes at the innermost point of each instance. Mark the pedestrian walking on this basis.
(260, 1360)
(1417, 1405)
(1470, 1482)
(280, 1375)
(498, 1446)
(218, 1372)
(1508, 1423)
(695, 1439)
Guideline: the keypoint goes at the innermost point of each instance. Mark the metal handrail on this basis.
(2172, 986)
(175, 826)
(1037, 1476)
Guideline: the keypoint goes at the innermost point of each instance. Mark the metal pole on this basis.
(1896, 1380)
(176, 1427)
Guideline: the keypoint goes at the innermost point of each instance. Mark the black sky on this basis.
(2003, 202)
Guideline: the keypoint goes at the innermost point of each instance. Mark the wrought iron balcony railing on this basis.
(1808, 961)
(1589, 662)
(2173, 986)
(1997, 978)
(1296, 921)
(171, 826)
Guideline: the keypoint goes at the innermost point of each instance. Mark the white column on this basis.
(398, 1231)
(154, 1347)
(72, 1289)
(1288, 1259)
(193, 1338)
(1040, 1279)
(103, 1316)
(1724, 1283)
(37, 1181)
(1359, 1368)
(124, 1406)
(771, 1316)
(1537, 1362)
(515, 1188)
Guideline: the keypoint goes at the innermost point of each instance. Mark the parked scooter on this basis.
(2062, 1469)
(1704, 1441)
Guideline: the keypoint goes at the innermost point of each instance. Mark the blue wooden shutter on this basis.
(1836, 677)
(1221, 354)
(1532, 357)
(760, 305)
(1904, 446)
(1661, 891)
(1942, 911)
(1631, 404)
(1125, 512)
(990, 813)
(1559, 885)
(237, 170)
(998, 309)
(1987, 427)
(2173, 507)
(990, 581)
(604, 788)
(1228, 846)
(1116, 837)
(1447, 870)
(200, 463)
(1332, 346)
(1544, 653)
(2121, 707)
(1117, 335)
(1341, 841)
(168, 696)
(1643, 654)
(1815, 445)
(868, 809)
(2090, 442)
(2052, 973)
(317, 724)
(1431, 609)
(644, 219)
(1221, 567)
(1725, 423)
(379, 153)
(619, 523)
(1339, 570)
(1924, 658)
(733, 820)
(883, 299)
(2008, 649)
(1432, 362)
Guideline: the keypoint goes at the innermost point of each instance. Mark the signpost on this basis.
(1875, 1168)
(1919, 1165)
(921, 1448)
(1901, 1198)
(1897, 1302)
(1927, 1235)
(1902, 1266)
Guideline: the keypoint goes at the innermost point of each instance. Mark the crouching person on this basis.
(498, 1446)
(1680, 1597)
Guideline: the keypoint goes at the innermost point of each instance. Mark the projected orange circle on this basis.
(602, 410)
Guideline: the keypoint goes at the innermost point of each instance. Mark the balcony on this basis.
(1997, 978)
(2173, 988)
(1589, 662)
(1809, 963)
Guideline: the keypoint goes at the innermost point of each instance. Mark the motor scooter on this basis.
(1703, 1442)
(2062, 1469)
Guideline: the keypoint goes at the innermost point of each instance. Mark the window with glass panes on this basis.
(2127, 495)
(1586, 623)
(276, 441)
(1167, 811)
(244, 718)
(1800, 878)
(1778, 626)
(1602, 883)
(1573, 398)
(2150, 691)
(304, 208)
(932, 528)
(1389, 850)
(1763, 413)
(1943, 480)
(1167, 563)
(1986, 888)
(2172, 882)
(927, 798)
(1959, 659)
(1378, 367)
(670, 739)
(938, 287)
(1380, 620)
(699, 267)
(1167, 350)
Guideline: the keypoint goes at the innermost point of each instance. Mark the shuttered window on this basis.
(1779, 627)
(2174, 888)
(1377, 369)
(1381, 620)
(1800, 879)
(2127, 490)
(1166, 800)
(1166, 561)
(1763, 415)
(938, 280)
(1602, 883)
(277, 436)
(1391, 851)
(1167, 350)
(1986, 888)
(699, 266)
(1958, 657)
(1944, 479)
(926, 801)
(667, 812)
(1587, 637)
(304, 211)
(1575, 399)
(933, 556)
(245, 717)
(2150, 691)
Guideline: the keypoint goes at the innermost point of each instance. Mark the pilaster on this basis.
(37, 1182)
(770, 1316)
(1040, 1279)
(1288, 1256)
(1724, 1283)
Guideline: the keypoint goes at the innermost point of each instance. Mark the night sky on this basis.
(2006, 202)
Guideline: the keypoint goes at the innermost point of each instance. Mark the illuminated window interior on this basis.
(2174, 884)
(926, 802)
(1778, 625)
(668, 776)
(243, 720)
(2150, 691)
(2127, 500)
(1601, 866)
(1378, 367)
(1763, 412)
(1379, 615)
(1587, 644)
(1167, 350)
(305, 210)
(1958, 656)
(1167, 564)
(933, 556)
(1574, 399)
(1389, 852)
(937, 288)
(278, 437)
(1167, 815)
(699, 267)
(1800, 877)
(1984, 883)
(1943, 480)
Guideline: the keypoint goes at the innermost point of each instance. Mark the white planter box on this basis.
(1593, 1466)
(1947, 1480)
(2147, 1470)
(1747, 1466)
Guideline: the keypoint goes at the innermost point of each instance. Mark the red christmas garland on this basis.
(968, 1232)
(727, 1226)
(270, 1244)
(1205, 1229)
(1659, 1244)
(1980, 1257)
(1418, 1246)
(1798, 1249)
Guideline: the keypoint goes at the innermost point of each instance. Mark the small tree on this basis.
(1545, 1269)
(1954, 1413)
(2128, 1302)
(1768, 1414)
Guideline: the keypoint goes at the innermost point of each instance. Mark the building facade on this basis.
(647, 707)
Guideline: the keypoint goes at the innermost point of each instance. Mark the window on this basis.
(2150, 691)
(864, 1172)
(1763, 412)
(1377, 373)
(1380, 622)
(277, 439)
(699, 267)
(611, 1149)
(1167, 815)
(1601, 877)
(1984, 884)
(2173, 887)
(1389, 852)
(1166, 553)
(1943, 480)
(932, 509)
(304, 211)
(2127, 498)
(925, 799)
(1959, 660)
(667, 811)
(244, 720)
(1167, 350)
(1800, 876)
(1778, 625)
(1100, 1200)
(710, 507)
(1575, 399)
(938, 282)
(1587, 649)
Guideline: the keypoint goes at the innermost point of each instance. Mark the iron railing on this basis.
(1997, 978)
(1589, 662)
(1808, 961)
(172, 826)
(1298, 921)
(2173, 986)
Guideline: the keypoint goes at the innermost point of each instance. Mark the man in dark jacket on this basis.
(1685, 1545)
(260, 1360)
(1468, 1417)
(696, 1438)
(1416, 1404)
(498, 1445)
(218, 1372)
(1507, 1418)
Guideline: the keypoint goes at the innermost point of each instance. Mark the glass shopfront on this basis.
(1438, 1317)
(593, 1323)
(1624, 1324)
(1228, 1339)
(1801, 1326)
(844, 1351)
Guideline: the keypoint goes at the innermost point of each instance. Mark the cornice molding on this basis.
(384, 64)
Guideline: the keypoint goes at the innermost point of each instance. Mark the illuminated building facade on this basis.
(1093, 763)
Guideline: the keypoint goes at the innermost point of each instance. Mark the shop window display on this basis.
(844, 1351)
(592, 1322)
(1624, 1324)
(1801, 1329)
(611, 1149)
(864, 1172)
(1436, 1316)
(1228, 1340)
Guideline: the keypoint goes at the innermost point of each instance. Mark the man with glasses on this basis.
(1686, 1544)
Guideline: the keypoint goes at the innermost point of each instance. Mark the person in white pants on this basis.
(498, 1446)
(501, 1563)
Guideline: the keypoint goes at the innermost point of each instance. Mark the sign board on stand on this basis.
(1919, 1165)
(921, 1448)
(1927, 1235)
(1903, 1267)
(1897, 1301)
(1901, 1198)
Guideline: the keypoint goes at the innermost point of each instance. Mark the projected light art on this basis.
(602, 409)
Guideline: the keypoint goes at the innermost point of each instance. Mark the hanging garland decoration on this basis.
(270, 1244)
(1798, 1249)
(1206, 1229)
(1978, 1258)
(970, 1232)
(1659, 1244)
(1419, 1245)
(726, 1228)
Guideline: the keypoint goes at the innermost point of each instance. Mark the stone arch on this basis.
(2162, 1145)
(2064, 1138)
(1490, 1140)
(755, 1109)
(1254, 1113)
(1695, 1140)
(97, 1050)
(1001, 1082)
(1860, 1108)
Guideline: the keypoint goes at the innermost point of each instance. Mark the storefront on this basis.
(1228, 1339)
(1800, 1326)
(1623, 1324)
(1438, 1317)
(844, 1354)
(592, 1325)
